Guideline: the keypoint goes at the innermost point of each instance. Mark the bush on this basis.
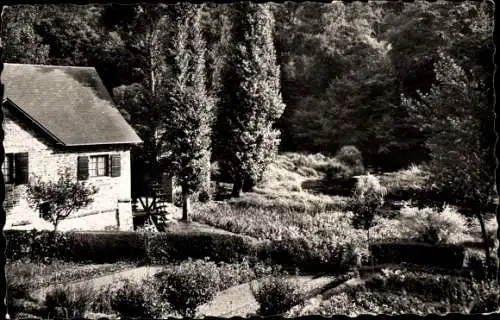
(351, 156)
(429, 226)
(309, 255)
(476, 264)
(35, 245)
(168, 247)
(189, 285)
(276, 295)
(106, 246)
(46, 246)
(368, 197)
(133, 299)
(18, 285)
(69, 302)
(339, 178)
(465, 293)
(444, 256)
(232, 274)
(204, 196)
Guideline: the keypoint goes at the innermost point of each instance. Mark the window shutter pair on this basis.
(21, 164)
(83, 167)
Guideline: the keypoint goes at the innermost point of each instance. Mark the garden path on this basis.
(235, 301)
(239, 301)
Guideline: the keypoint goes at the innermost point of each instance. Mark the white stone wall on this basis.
(47, 162)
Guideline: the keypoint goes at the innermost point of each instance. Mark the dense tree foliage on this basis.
(343, 65)
(250, 100)
(185, 140)
(454, 112)
(57, 200)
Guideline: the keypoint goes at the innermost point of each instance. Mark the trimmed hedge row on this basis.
(443, 256)
(161, 248)
(112, 246)
(306, 256)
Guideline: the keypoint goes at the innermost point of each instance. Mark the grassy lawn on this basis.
(280, 208)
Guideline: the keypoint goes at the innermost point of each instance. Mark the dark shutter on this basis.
(21, 165)
(83, 168)
(115, 165)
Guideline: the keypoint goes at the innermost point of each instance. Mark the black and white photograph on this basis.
(248, 159)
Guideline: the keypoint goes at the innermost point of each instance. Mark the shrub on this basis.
(18, 285)
(467, 294)
(57, 200)
(309, 255)
(69, 301)
(188, 285)
(101, 247)
(35, 245)
(106, 246)
(476, 264)
(232, 274)
(444, 256)
(367, 198)
(339, 178)
(133, 299)
(351, 156)
(276, 295)
(168, 247)
(204, 196)
(429, 226)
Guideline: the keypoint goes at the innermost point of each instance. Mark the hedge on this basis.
(443, 256)
(114, 246)
(161, 248)
(308, 256)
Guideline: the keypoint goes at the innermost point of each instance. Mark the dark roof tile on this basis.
(71, 103)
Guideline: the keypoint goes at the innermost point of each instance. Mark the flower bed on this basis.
(178, 290)
(403, 292)
(42, 275)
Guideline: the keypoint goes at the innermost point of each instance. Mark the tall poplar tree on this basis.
(251, 101)
(186, 131)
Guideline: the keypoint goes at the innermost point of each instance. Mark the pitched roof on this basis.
(69, 103)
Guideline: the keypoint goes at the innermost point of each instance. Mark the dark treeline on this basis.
(343, 67)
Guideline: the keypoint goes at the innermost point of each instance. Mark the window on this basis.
(98, 166)
(8, 168)
(15, 168)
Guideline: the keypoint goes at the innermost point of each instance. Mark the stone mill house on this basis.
(60, 118)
